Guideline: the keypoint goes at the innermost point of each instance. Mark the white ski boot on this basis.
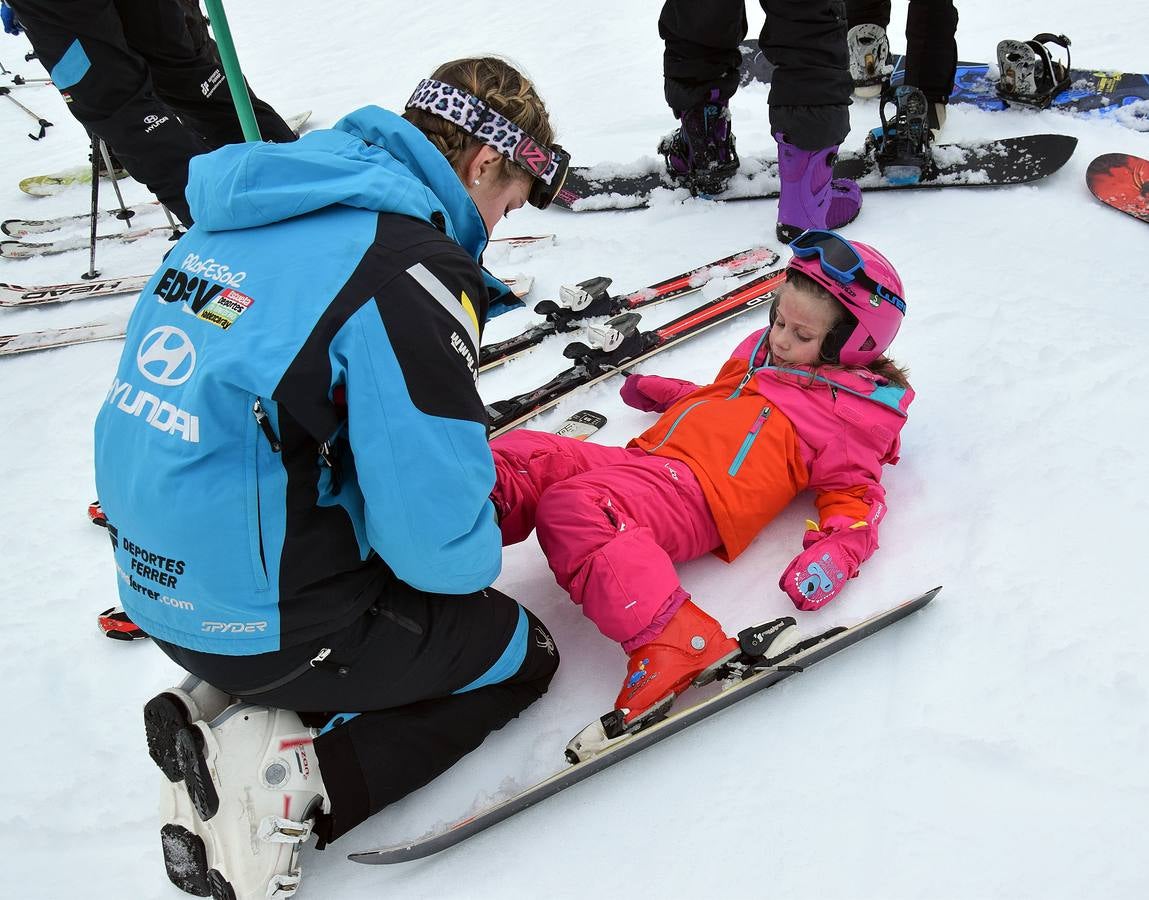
(253, 792)
(169, 712)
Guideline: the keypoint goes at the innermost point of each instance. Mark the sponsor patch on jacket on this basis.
(225, 308)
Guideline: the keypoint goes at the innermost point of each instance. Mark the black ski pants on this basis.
(429, 675)
(804, 39)
(145, 76)
(931, 48)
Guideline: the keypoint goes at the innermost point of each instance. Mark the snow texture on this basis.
(992, 746)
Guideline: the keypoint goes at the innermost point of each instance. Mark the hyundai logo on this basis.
(166, 356)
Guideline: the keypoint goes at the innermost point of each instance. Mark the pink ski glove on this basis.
(819, 572)
(653, 393)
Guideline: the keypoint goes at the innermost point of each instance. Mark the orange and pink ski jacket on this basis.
(759, 435)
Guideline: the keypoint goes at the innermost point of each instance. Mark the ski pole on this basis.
(123, 213)
(172, 223)
(40, 120)
(92, 272)
(235, 80)
(20, 79)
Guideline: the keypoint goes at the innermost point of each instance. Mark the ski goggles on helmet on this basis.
(547, 165)
(842, 262)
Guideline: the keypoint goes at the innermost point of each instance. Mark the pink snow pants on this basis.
(612, 521)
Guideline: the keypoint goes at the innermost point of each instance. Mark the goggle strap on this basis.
(482, 122)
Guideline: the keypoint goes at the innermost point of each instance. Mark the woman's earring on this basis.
(475, 182)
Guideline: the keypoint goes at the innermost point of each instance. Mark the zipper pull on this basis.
(264, 423)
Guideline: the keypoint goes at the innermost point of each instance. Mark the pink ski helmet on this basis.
(864, 282)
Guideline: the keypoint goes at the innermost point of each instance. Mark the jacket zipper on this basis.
(748, 441)
(681, 416)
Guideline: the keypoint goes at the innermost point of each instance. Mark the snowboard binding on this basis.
(1030, 75)
(901, 147)
(869, 50)
(700, 154)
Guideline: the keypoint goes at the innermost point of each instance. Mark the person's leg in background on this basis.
(172, 36)
(809, 112)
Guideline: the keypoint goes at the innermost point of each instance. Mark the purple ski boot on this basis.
(700, 152)
(809, 197)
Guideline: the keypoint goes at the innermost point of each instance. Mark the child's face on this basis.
(801, 321)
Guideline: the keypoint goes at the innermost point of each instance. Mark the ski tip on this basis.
(922, 599)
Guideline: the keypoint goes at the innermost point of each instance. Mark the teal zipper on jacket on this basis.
(748, 441)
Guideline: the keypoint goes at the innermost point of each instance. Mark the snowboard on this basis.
(1094, 93)
(1121, 181)
(695, 705)
(1015, 160)
(50, 185)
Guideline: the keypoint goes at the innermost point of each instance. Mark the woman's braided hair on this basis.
(497, 84)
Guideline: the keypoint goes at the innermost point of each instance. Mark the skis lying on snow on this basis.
(21, 249)
(51, 338)
(114, 623)
(113, 329)
(591, 298)
(16, 295)
(620, 344)
(751, 671)
(18, 249)
(20, 228)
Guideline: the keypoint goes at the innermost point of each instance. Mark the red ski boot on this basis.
(689, 651)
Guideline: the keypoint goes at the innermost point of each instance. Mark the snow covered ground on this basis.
(992, 746)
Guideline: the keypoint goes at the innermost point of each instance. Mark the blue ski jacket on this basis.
(294, 419)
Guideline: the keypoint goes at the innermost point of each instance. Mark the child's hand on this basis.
(819, 572)
(653, 393)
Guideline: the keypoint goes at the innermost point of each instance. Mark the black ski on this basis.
(620, 345)
(591, 298)
(800, 657)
